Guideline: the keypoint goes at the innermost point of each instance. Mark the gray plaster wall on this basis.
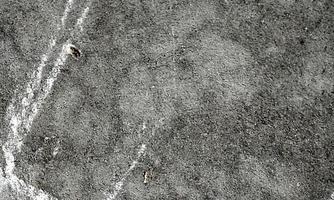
(226, 100)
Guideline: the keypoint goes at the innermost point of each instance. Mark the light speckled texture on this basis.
(171, 99)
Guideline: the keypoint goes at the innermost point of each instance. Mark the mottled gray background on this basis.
(239, 96)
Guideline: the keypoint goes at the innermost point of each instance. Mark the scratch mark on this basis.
(119, 184)
(17, 119)
(82, 18)
(67, 10)
(36, 106)
(23, 115)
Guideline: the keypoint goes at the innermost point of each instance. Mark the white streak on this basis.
(17, 117)
(56, 149)
(82, 18)
(46, 89)
(57, 66)
(120, 183)
(24, 190)
(67, 10)
(24, 114)
(34, 83)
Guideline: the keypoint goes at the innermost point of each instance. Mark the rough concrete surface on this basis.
(187, 99)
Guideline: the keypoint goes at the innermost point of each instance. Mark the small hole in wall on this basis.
(301, 41)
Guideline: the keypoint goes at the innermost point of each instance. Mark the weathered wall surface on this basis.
(174, 99)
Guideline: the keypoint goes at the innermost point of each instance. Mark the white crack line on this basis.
(83, 17)
(62, 57)
(56, 69)
(17, 119)
(20, 117)
(120, 183)
(46, 89)
(64, 17)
